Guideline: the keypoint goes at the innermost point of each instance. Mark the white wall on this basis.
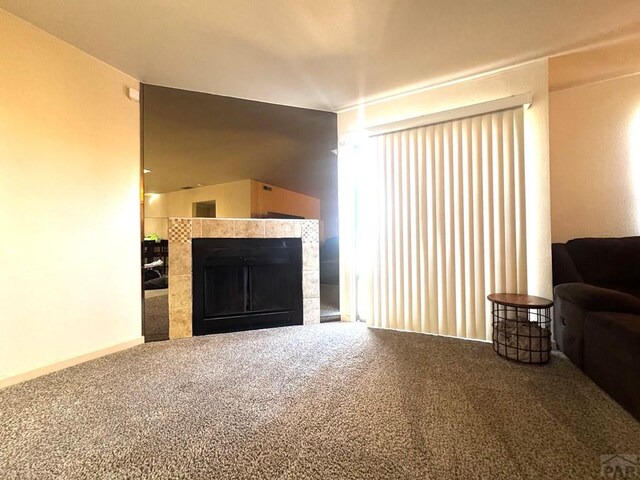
(595, 160)
(532, 78)
(69, 202)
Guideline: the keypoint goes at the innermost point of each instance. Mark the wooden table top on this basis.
(519, 300)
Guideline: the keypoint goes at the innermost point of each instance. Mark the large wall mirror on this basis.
(221, 157)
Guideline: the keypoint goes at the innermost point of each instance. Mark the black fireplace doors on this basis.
(246, 283)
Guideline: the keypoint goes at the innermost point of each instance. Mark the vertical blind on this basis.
(440, 213)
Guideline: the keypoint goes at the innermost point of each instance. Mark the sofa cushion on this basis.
(612, 335)
(607, 261)
(157, 283)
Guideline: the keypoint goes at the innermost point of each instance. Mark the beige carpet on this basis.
(332, 401)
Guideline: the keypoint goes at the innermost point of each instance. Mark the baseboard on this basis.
(54, 367)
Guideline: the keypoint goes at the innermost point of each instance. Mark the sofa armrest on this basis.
(597, 299)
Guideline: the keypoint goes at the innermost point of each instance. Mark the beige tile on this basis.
(249, 228)
(278, 228)
(180, 230)
(311, 284)
(180, 323)
(310, 256)
(297, 228)
(179, 259)
(215, 228)
(196, 228)
(179, 291)
(310, 311)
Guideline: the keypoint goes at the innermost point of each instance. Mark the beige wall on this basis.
(241, 199)
(69, 202)
(529, 78)
(233, 200)
(281, 200)
(595, 159)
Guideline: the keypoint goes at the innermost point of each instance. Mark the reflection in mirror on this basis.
(205, 209)
(210, 156)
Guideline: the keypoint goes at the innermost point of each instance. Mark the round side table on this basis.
(521, 327)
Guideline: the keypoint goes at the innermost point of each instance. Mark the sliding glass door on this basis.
(440, 223)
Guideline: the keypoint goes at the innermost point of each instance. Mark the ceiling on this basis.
(612, 60)
(321, 54)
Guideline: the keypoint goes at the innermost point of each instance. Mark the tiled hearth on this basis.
(182, 230)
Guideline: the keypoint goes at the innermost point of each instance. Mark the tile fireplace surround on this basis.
(182, 230)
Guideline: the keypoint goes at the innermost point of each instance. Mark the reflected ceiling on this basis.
(194, 138)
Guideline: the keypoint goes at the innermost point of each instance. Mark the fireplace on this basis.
(183, 233)
(246, 283)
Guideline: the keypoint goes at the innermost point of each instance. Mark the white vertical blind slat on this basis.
(389, 319)
(478, 225)
(414, 225)
(422, 286)
(407, 257)
(509, 202)
(397, 235)
(468, 264)
(498, 202)
(440, 230)
(382, 240)
(518, 161)
(431, 234)
(458, 238)
(486, 160)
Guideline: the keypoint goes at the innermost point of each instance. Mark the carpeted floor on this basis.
(331, 401)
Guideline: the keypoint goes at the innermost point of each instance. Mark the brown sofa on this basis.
(597, 312)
